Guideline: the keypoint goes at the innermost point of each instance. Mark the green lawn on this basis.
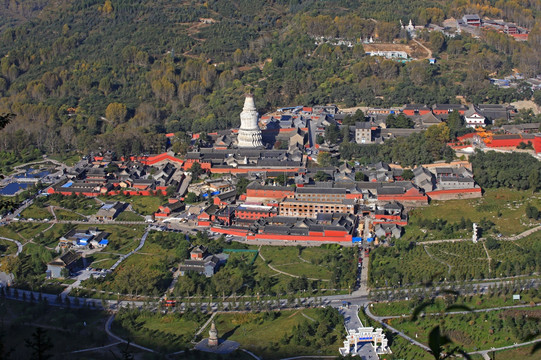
(151, 267)
(129, 216)
(80, 204)
(264, 336)
(504, 207)
(309, 263)
(102, 260)
(36, 212)
(144, 205)
(63, 214)
(522, 353)
(69, 159)
(10, 231)
(7, 248)
(22, 231)
(476, 330)
(166, 333)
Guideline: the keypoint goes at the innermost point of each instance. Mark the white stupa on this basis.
(249, 132)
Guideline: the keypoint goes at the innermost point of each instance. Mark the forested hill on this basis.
(114, 73)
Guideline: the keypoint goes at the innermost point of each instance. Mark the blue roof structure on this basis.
(107, 206)
(12, 188)
(68, 184)
(104, 242)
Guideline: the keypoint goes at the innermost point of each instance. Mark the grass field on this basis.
(151, 262)
(144, 205)
(69, 159)
(263, 337)
(129, 216)
(22, 231)
(63, 214)
(102, 260)
(80, 204)
(165, 333)
(522, 353)
(310, 263)
(471, 331)
(36, 212)
(504, 207)
(7, 248)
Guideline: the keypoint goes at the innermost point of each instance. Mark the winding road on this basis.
(19, 245)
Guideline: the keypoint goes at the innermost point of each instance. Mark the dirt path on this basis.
(429, 56)
(488, 257)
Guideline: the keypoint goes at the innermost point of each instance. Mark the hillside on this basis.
(112, 73)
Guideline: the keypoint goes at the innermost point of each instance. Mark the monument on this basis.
(213, 344)
(249, 132)
(213, 335)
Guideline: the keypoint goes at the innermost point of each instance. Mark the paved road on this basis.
(395, 331)
(352, 322)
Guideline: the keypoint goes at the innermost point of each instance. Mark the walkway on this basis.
(19, 245)
(121, 340)
(429, 52)
(205, 324)
(509, 238)
(141, 244)
(485, 353)
(381, 318)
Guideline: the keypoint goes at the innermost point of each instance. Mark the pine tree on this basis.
(39, 344)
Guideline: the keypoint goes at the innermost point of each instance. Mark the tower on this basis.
(249, 132)
(213, 335)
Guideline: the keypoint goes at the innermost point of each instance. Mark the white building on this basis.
(389, 54)
(249, 132)
(473, 119)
